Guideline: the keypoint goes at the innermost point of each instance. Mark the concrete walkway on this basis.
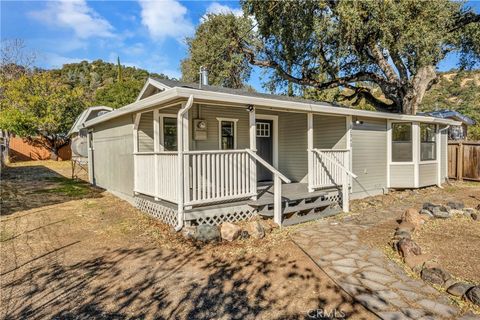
(367, 275)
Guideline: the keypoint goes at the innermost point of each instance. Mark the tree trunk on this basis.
(421, 83)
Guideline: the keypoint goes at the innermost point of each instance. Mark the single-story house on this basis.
(459, 132)
(191, 155)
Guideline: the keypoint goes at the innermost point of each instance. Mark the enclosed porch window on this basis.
(227, 131)
(169, 130)
(427, 139)
(402, 142)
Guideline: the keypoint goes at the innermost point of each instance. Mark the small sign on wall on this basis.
(200, 129)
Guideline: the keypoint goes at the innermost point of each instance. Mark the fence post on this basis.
(460, 162)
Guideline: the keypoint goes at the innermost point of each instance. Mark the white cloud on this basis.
(217, 8)
(54, 60)
(75, 15)
(167, 18)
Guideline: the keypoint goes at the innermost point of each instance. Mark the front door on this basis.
(264, 148)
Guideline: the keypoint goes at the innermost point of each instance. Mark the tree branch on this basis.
(465, 19)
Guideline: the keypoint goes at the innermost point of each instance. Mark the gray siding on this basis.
(329, 132)
(292, 146)
(427, 174)
(113, 155)
(369, 157)
(402, 176)
(145, 132)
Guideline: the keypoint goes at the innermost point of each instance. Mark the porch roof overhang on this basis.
(204, 96)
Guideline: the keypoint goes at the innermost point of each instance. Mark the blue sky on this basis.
(146, 34)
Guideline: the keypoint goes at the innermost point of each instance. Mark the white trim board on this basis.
(202, 96)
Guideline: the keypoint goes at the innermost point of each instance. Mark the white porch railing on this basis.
(331, 168)
(327, 173)
(219, 175)
(156, 174)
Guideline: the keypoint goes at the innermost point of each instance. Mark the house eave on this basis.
(229, 98)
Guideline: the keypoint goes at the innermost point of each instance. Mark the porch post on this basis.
(438, 156)
(277, 200)
(310, 150)
(156, 148)
(135, 150)
(186, 162)
(253, 147)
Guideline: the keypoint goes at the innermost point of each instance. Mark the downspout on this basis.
(180, 140)
(439, 160)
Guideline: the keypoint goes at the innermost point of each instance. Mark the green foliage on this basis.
(119, 68)
(39, 105)
(459, 91)
(118, 94)
(217, 46)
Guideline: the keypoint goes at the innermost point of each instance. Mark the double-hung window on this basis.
(402, 142)
(227, 133)
(169, 133)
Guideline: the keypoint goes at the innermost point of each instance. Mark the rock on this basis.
(416, 262)
(435, 275)
(449, 283)
(399, 235)
(474, 216)
(473, 294)
(188, 232)
(244, 234)
(256, 230)
(426, 213)
(478, 207)
(230, 231)
(459, 289)
(412, 216)
(429, 206)
(456, 205)
(206, 233)
(407, 247)
(440, 212)
(455, 212)
(406, 226)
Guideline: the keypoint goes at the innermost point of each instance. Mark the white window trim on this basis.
(220, 131)
(420, 145)
(161, 116)
(274, 131)
(390, 141)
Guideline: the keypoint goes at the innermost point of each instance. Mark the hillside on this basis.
(100, 81)
(458, 91)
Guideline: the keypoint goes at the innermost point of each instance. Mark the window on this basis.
(263, 129)
(402, 142)
(227, 130)
(169, 134)
(427, 142)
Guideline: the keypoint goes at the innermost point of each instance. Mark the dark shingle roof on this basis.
(450, 114)
(242, 92)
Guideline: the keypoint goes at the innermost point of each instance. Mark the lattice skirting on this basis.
(157, 210)
(229, 215)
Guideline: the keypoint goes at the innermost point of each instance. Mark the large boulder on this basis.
(412, 216)
(206, 233)
(230, 231)
(408, 247)
(255, 229)
(474, 295)
(459, 289)
(435, 275)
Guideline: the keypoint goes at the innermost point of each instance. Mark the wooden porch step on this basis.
(267, 198)
(297, 208)
(296, 219)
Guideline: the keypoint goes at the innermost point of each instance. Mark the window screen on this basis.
(427, 142)
(402, 142)
(227, 130)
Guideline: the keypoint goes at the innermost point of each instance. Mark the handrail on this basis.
(214, 151)
(268, 166)
(336, 150)
(335, 162)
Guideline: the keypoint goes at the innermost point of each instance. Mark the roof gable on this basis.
(151, 87)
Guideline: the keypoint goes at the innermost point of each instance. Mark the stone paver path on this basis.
(367, 275)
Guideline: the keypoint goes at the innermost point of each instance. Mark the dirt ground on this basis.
(454, 243)
(73, 252)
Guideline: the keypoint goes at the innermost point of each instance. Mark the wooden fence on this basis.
(464, 160)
